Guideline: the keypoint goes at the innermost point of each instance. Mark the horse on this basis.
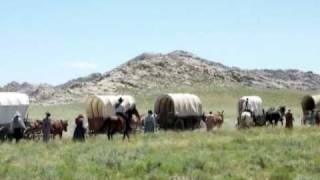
(214, 120)
(245, 120)
(58, 127)
(5, 133)
(273, 115)
(120, 124)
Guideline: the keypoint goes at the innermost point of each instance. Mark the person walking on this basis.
(46, 127)
(289, 120)
(80, 131)
(150, 123)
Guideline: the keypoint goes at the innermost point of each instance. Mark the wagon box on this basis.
(254, 105)
(10, 103)
(183, 110)
(309, 103)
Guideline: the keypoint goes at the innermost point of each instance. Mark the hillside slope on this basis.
(178, 68)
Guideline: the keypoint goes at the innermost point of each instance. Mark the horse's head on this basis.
(65, 125)
(282, 110)
(204, 117)
(133, 111)
(221, 114)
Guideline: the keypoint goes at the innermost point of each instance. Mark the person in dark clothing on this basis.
(17, 127)
(150, 123)
(80, 131)
(289, 119)
(46, 127)
(246, 108)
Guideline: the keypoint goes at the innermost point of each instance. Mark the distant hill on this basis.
(178, 68)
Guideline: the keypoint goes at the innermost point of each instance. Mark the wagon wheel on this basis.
(29, 134)
(260, 122)
(37, 135)
(179, 124)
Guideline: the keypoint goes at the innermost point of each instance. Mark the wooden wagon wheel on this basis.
(260, 122)
(28, 134)
(37, 135)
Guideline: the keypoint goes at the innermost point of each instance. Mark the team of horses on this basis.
(33, 130)
(271, 117)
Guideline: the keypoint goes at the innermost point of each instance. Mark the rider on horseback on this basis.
(246, 107)
(120, 111)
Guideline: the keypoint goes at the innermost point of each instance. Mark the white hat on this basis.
(17, 114)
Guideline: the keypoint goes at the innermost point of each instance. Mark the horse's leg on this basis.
(124, 135)
(273, 123)
(109, 135)
(60, 135)
(113, 133)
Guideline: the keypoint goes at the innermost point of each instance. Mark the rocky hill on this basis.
(178, 68)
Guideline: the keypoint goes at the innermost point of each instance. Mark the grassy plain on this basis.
(262, 153)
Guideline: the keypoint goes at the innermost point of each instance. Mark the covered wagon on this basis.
(101, 107)
(252, 104)
(10, 103)
(178, 111)
(309, 103)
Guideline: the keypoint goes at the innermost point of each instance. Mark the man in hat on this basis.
(17, 127)
(246, 108)
(289, 119)
(119, 108)
(120, 111)
(46, 127)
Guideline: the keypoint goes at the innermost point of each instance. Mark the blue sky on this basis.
(54, 41)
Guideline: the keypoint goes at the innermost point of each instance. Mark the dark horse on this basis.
(273, 115)
(120, 123)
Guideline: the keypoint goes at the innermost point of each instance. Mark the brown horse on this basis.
(214, 120)
(57, 128)
(120, 123)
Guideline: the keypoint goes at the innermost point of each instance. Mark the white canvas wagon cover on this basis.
(10, 103)
(254, 105)
(183, 104)
(310, 102)
(104, 106)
